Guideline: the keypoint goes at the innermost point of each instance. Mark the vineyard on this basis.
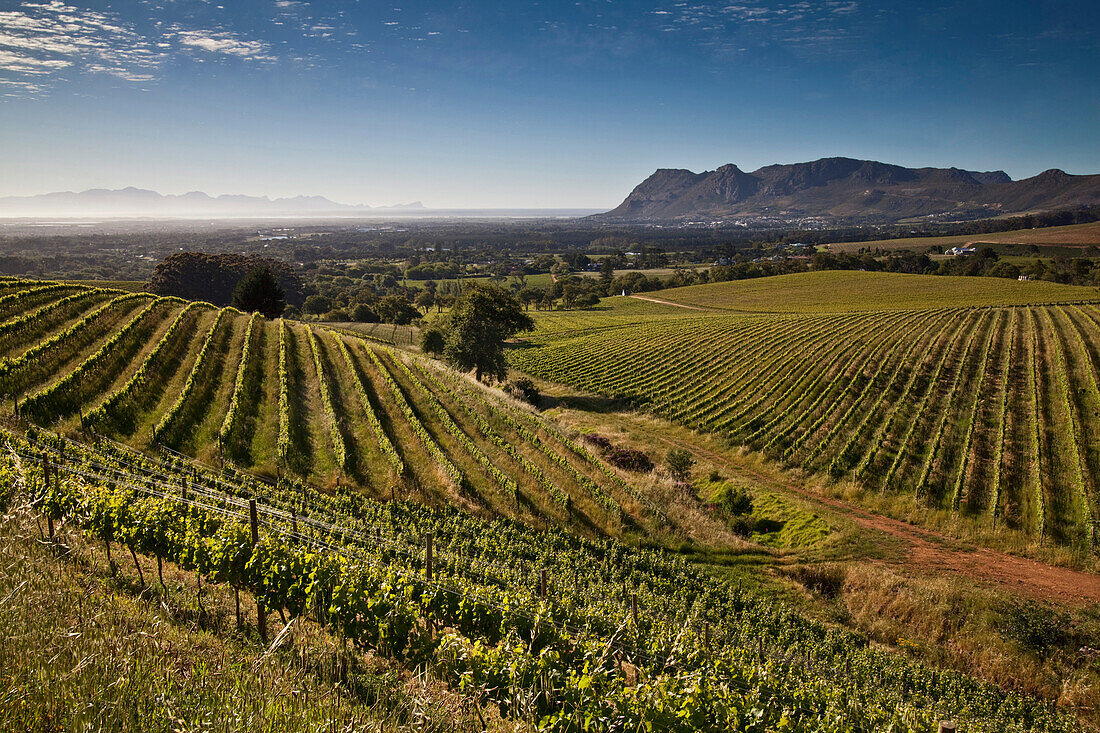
(984, 403)
(286, 400)
(555, 631)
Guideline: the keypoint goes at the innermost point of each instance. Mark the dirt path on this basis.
(931, 552)
(669, 302)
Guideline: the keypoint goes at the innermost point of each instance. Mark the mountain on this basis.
(137, 202)
(845, 189)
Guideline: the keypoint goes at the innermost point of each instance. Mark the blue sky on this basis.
(529, 104)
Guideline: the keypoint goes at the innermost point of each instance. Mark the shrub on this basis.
(679, 462)
(734, 500)
(629, 459)
(336, 315)
(600, 441)
(432, 341)
(827, 580)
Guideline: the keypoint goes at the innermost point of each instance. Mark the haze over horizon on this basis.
(529, 105)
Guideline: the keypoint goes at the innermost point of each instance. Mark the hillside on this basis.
(286, 399)
(1074, 237)
(844, 189)
(973, 398)
(433, 553)
(496, 616)
(835, 291)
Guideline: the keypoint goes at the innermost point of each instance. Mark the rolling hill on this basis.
(280, 398)
(976, 398)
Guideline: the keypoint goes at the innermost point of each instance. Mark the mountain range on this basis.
(137, 202)
(846, 189)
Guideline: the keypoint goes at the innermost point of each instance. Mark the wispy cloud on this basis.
(799, 26)
(224, 42)
(45, 43)
(41, 41)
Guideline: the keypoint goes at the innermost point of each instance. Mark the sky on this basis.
(530, 104)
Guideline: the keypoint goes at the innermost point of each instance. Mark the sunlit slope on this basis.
(986, 411)
(284, 398)
(835, 291)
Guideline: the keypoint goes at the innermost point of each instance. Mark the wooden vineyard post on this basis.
(946, 726)
(428, 556)
(294, 522)
(46, 478)
(542, 584)
(261, 613)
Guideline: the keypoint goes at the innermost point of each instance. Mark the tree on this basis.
(425, 299)
(484, 316)
(260, 291)
(363, 313)
(432, 340)
(317, 304)
(201, 276)
(396, 309)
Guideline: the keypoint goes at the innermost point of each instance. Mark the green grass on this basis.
(87, 649)
(842, 291)
(894, 382)
(1075, 235)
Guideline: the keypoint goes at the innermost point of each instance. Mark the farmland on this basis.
(1070, 237)
(973, 397)
(149, 425)
(547, 628)
(284, 399)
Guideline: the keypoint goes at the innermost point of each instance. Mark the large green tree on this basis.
(260, 291)
(483, 318)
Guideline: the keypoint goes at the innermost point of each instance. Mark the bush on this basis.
(1034, 626)
(742, 526)
(524, 389)
(679, 462)
(600, 441)
(629, 459)
(734, 500)
(317, 304)
(826, 580)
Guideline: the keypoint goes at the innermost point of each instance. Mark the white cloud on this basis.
(224, 42)
(40, 40)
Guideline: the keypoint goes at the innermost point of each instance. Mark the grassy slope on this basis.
(209, 401)
(841, 291)
(85, 649)
(1075, 235)
(160, 396)
(260, 420)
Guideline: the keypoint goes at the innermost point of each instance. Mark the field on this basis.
(284, 399)
(145, 426)
(975, 398)
(1077, 236)
(545, 629)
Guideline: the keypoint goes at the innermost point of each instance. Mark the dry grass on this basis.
(85, 650)
(949, 622)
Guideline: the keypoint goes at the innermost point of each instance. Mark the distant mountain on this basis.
(842, 189)
(137, 202)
